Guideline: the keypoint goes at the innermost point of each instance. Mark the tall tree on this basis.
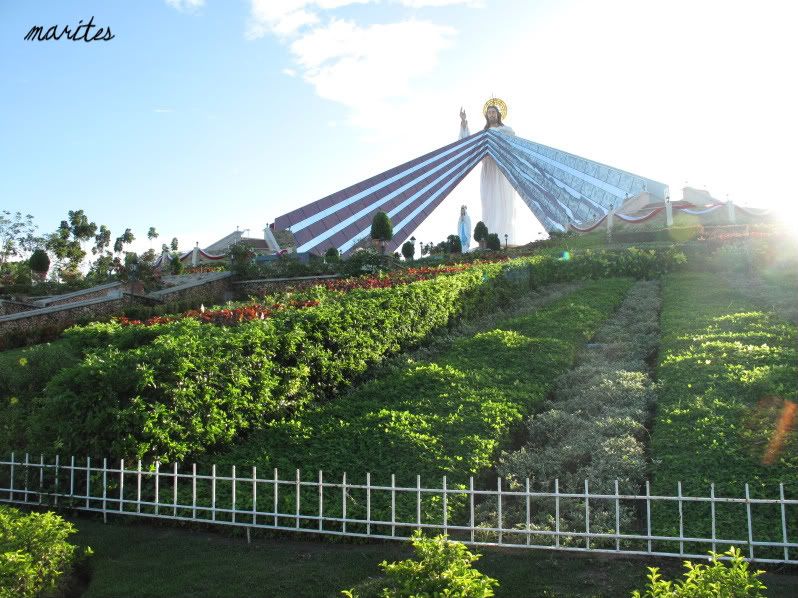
(17, 235)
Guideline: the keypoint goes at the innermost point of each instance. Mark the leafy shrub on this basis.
(454, 244)
(40, 262)
(332, 255)
(480, 232)
(441, 568)
(715, 579)
(34, 553)
(493, 242)
(381, 227)
(408, 250)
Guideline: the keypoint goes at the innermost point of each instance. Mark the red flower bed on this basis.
(222, 317)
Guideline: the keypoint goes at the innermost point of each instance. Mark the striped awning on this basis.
(560, 189)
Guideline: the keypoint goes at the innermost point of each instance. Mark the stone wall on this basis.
(212, 288)
(112, 289)
(57, 318)
(9, 306)
(244, 289)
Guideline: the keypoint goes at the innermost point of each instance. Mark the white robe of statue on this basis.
(497, 194)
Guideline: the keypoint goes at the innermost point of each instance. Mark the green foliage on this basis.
(34, 552)
(729, 378)
(381, 227)
(445, 416)
(708, 581)
(16, 235)
(40, 262)
(332, 254)
(441, 568)
(180, 388)
(241, 256)
(480, 232)
(454, 244)
(493, 242)
(175, 265)
(593, 426)
(408, 250)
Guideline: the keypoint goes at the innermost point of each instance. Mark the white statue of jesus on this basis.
(497, 194)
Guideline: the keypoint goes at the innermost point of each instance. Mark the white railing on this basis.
(392, 511)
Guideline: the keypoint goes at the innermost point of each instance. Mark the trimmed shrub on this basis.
(381, 227)
(493, 242)
(34, 553)
(441, 568)
(408, 250)
(40, 262)
(480, 232)
(715, 579)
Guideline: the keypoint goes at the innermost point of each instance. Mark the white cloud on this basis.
(186, 5)
(436, 3)
(288, 17)
(356, 65)
(289, 72)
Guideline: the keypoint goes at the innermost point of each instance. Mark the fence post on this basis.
(445, 506)
(254, 495)
(321, 500)
(193, 490)
(471, 505)
(174, 490)
(368, 503)
(712, 509)
(783, 522)
(276, 498)
(57, 474)
(27, 461)
(121, 485)
(41, 477)
(499, 500)
(298, 490)
(72, 477)
(648, 514)
(88, 480)
(748, 517)
(138, 488)
(681, 518)
(418, 502)
(528, 530)
(557, 512)
(393, 504)
(213, 492)
(11, 484)
(587, 516)
(233, 494)
(343, 503)
(617, 519)
(105, 489)
(157, 487)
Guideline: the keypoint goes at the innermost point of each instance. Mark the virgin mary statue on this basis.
(497, 194)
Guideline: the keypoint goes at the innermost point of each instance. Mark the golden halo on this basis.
(499, 104)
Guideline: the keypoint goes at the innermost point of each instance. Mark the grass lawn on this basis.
(138, 559)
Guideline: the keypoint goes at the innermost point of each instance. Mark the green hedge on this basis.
(180, 388)
(446, 417)
(727, 373)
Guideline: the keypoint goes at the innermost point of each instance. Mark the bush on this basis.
(715, 579)
(34, 553)
(493, 242)
(480, 232)
(454, 243)
(442, 568)
(408, 250)
(381, 227)
(332, 255)
(40, 262)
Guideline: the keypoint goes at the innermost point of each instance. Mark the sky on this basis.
(201, 116)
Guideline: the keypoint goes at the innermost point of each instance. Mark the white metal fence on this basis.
(640, 524)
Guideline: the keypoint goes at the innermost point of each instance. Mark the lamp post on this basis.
(505, 241)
